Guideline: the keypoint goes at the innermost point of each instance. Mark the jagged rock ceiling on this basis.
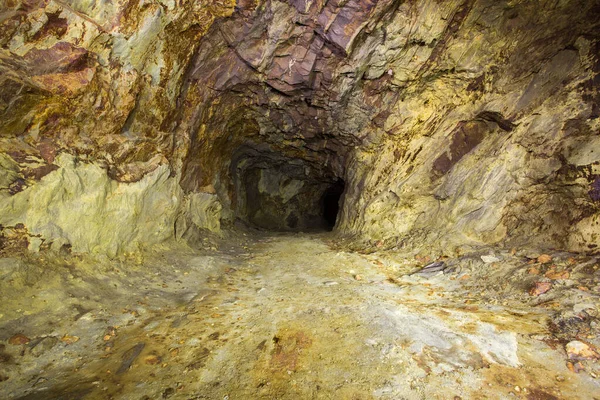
(451, 123)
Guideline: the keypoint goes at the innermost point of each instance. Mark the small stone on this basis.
(578, 350)
(358, 277)
(488, 259)
(587, 307)
(560, 378)
(18, 339)
(68, 339)
(544, 259)
(575, 367)
(517, 389)
(152, 359)
(34, 244)
(554, 275)
(540, 288)
(433, 268)
(111, 331)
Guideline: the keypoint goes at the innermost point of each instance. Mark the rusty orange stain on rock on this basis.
(287, 349)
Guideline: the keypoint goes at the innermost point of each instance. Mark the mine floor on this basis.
(292, 316)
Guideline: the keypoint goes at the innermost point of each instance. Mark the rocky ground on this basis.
(296, 316)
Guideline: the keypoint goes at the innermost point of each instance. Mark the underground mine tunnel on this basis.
(276, 193)
(298, 199)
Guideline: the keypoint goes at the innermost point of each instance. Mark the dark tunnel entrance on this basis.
(276, 201)
(331, 203)
(276, 193)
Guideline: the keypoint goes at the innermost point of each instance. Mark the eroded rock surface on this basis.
(96, 80)
(79, 206)
(289, 317)
(455, 123)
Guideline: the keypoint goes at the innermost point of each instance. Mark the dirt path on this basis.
(272, 317)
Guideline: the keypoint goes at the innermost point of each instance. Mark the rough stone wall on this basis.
(100, 81)
(99, 78)
(80, 207)
(493, 138)
(452, 123)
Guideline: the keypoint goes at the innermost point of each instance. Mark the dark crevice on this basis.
(492, 116)
(332, 202)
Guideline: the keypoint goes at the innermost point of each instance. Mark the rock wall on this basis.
(99, 81)
(78, 206)
(200, 212)
(452, 123)
(455, 123)
(494, 136)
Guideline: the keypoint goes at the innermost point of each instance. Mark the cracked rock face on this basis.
(449, 124)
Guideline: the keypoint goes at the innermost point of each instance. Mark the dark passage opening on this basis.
(331, 203)
(276, 193)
